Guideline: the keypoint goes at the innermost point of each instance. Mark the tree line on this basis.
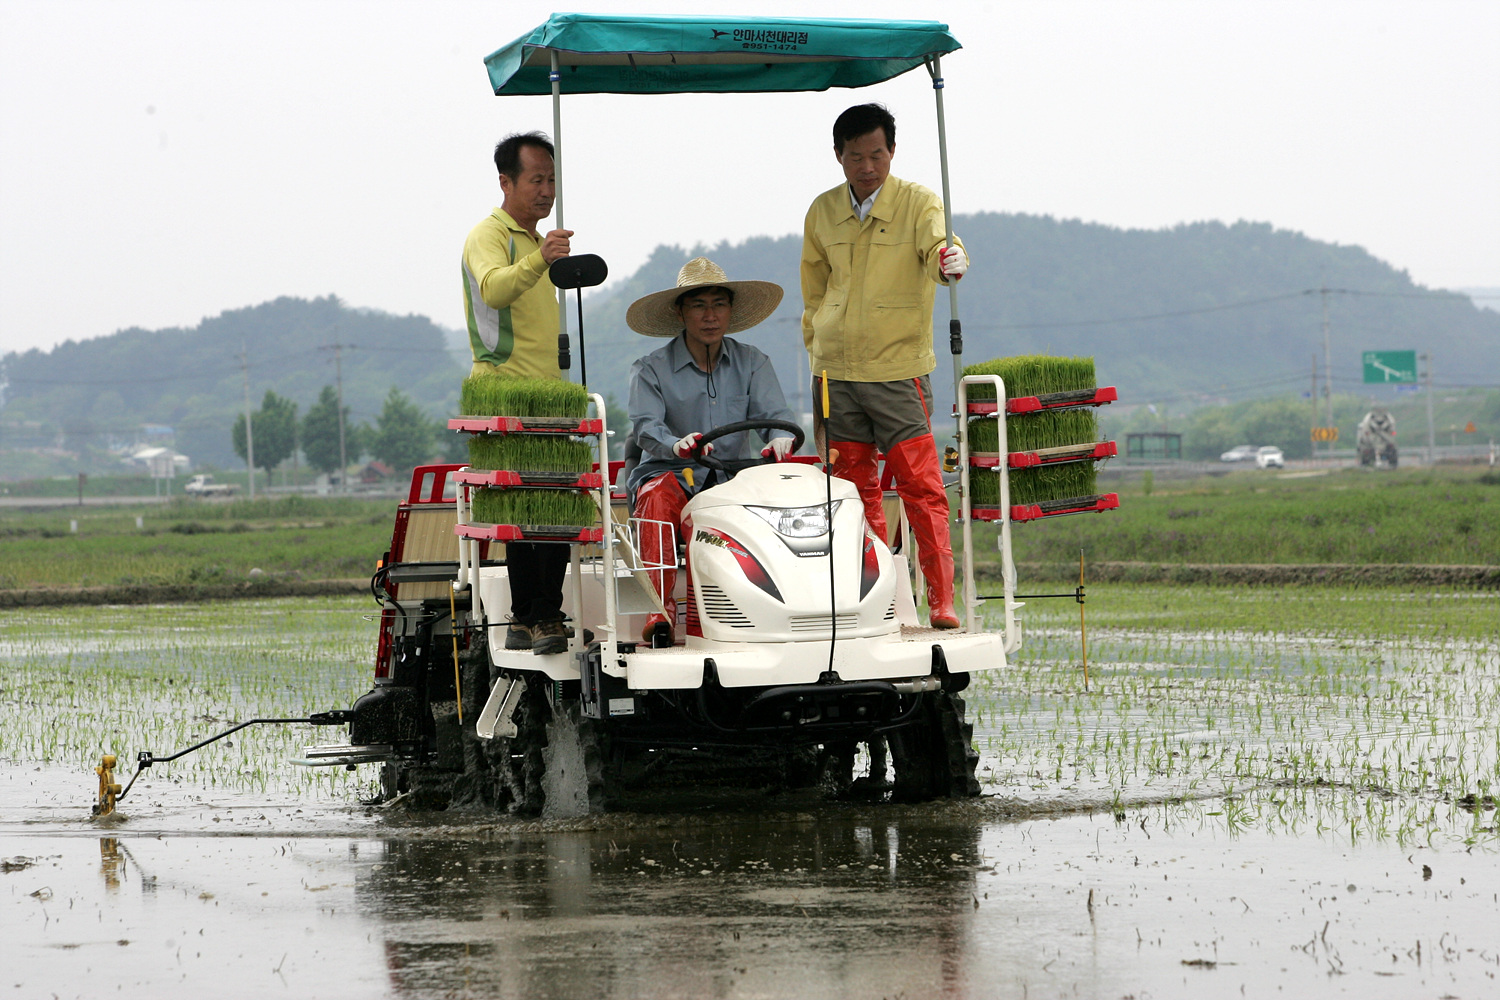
(401, 436)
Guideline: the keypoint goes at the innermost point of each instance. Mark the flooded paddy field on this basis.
(1254, 794)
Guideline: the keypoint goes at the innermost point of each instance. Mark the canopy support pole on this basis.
(955, 340)
(955, 327)
(557, 167)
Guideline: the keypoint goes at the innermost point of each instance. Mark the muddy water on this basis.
(1209, 818)
(879, 903)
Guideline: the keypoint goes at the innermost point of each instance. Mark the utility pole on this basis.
(338, 379)
(1313, 395)
(1327, 362)
(1431, 441)
(249, 430)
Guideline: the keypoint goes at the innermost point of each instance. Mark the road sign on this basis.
(1325, 433)
(1469, 427)
(1390, 367)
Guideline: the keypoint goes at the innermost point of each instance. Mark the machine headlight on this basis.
(798, 522)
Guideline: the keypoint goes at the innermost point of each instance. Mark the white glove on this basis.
(780, 448)
(953, 261)
(687, 442)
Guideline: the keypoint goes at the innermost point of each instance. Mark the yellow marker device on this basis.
(687, 474)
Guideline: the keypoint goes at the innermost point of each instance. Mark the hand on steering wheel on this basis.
(700, 452)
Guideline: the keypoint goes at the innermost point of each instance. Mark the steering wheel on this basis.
(736, 464)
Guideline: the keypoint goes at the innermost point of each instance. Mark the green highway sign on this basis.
(1390, 367)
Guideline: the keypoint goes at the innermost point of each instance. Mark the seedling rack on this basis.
(527, 425)
(1045, 456)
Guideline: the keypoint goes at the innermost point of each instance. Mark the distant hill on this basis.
(96, 391)
(1194, 313)
(1187, 315)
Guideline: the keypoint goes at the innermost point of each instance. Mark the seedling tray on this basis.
(1047, 401)
(508, 479)
(529, 532)
(1046, 456)
(1050, 508)
(526, 425)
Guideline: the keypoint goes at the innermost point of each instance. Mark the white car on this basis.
(1239, 453)
(1270, 457)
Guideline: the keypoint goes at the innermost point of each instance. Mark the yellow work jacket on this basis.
(509, 302)
(867, 287)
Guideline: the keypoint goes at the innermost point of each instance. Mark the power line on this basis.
(1222, 307)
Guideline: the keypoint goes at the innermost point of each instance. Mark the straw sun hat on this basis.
(655, 315)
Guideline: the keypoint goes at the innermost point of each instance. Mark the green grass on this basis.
(1415, 516)
(500, 395)
(530, 453)
(1033, 375)
(534, 507)
(193, 542)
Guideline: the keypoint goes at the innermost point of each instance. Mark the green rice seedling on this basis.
(1033, 432)
(491, 395)
(1047, 482)
(534, 507)
(530, 453)
(1033, 375)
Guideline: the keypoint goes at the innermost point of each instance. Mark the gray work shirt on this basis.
(671, 397)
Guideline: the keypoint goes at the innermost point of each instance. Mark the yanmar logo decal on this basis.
(765, 39)
(749, 565)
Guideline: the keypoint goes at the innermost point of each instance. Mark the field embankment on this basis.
(1419, 527)
(1347, 526)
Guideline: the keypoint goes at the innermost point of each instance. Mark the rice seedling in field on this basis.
(1378, 732)
(502, 395)
(81, 683)
(523, 506)
(530, 453)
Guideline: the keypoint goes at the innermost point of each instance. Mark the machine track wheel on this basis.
(934, 756)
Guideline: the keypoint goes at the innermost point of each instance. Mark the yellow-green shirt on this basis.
(867, 287)
(510, 303)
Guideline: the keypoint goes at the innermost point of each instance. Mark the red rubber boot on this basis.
(661, 499)
(919, 482)
(856, 463)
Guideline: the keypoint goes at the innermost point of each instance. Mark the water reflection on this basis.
(824, 908)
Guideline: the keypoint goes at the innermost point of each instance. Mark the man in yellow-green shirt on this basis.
(511, 308)
(873, 251)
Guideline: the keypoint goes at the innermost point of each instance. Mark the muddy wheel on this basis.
(934, 756)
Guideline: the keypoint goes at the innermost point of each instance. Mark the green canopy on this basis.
(605, 54)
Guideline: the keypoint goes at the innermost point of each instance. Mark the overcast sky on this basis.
(165, 161)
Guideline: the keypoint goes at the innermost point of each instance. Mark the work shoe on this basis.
(549, 637)
(517, 636)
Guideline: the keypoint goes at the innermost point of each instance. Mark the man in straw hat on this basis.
(873, 250)
(702, 380)
(511, 307)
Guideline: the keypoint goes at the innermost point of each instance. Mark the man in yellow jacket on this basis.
(511, 308)
(873, 251)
